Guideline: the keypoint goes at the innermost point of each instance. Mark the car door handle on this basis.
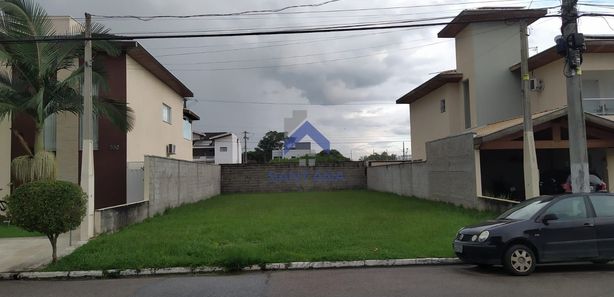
(589, 225)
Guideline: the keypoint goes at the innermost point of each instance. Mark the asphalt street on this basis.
(456, 280)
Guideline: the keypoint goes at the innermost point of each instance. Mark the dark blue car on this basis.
(547, 229)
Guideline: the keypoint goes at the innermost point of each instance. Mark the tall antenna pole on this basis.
(87, 156)
(245, 138)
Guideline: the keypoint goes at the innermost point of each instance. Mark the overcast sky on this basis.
(348, 82)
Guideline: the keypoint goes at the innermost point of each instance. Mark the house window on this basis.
(442, 105)
(187, 129)
(50, 133)
(467, 103)
(166, 113)
(223, 149)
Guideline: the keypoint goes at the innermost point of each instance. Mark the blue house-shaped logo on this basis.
(306, 129)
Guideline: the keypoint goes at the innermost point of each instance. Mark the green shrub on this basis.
(48, 207)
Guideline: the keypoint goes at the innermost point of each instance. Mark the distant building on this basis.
(217, 147)
(300, 149)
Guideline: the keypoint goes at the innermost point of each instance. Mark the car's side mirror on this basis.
(549, 217)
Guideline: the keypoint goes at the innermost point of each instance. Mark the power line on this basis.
(290, 103)
(254, 33)
(272, 43)
(337, 25)
(147, 18)
(302, 63)
(291, 57)
(267, 11)
(271, 46)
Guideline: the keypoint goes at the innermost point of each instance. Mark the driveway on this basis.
(28, 253)
(423, 281)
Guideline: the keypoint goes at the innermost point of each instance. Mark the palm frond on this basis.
(118, 113)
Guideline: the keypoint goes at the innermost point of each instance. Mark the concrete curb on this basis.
(119, 273)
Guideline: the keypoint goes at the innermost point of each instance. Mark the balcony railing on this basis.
(600, 106)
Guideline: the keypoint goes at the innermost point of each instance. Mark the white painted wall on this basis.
(233, 153)
(145, 95)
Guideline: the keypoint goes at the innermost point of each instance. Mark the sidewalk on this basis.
(29, 253)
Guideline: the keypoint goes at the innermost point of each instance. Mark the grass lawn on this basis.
(8, 231)
(242, 229)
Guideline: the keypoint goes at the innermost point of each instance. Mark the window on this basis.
(223, 149)
(467, 103)
(166, 113)
(569, 209)
(525, 210)
(442, 105)
(50, 133)
(187, 129)
(603, 205)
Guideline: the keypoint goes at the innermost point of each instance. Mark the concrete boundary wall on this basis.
(448, 174)
(285, 177)
(168, 183)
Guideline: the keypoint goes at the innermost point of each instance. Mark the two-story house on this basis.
(217, 148)
(155, 95)
(482, 97)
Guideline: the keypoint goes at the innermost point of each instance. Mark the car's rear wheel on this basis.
(519, 260)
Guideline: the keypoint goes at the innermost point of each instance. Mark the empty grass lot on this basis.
(10, 231)
(244, 229)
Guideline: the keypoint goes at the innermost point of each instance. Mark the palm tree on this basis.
(30, 85)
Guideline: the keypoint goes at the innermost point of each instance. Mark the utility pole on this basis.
(87, 156)
(531, 172)
(572, 45)
(403, 150)
(245, 138)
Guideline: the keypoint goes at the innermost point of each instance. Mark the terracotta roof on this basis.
(143, 57)
(499, 129)
(450, 76)
(489, 14)
(594, 44)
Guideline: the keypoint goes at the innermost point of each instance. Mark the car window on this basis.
(569, 208)
(603, 205)
(525, 210)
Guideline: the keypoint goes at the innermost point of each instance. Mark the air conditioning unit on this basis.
(171, 149)
(536, 85)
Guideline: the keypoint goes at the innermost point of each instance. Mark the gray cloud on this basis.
(391, 63)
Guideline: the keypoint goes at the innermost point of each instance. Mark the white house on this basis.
(217, 147)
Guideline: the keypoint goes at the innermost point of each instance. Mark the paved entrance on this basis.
(29, 253)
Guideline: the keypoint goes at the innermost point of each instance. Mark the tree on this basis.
(379, 157)
(48, 207)
(331, 156)
(271, 141)
(256, 156)
(31, 87)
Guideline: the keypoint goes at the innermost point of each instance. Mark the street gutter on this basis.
(120, 273)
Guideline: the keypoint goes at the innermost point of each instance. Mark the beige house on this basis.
(482, 96)
(161, 120)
